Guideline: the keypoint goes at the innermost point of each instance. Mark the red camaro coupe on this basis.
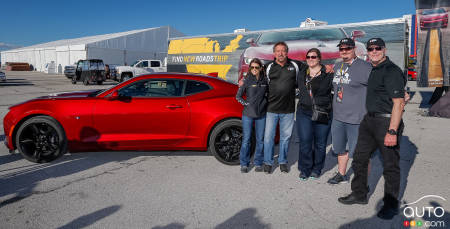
(161, 111)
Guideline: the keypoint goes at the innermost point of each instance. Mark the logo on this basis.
(373, 40)
(291, 68)
(418, 215)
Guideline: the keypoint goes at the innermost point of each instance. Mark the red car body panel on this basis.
(434, 18)
(157, 123)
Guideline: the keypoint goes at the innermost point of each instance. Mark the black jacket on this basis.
(321, 90)
(255, 90)
(282, 81)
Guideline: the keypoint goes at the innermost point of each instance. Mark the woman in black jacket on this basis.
(315, 87)
(255, 106)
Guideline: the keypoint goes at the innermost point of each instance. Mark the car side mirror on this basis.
(114, 96)
(357, 34)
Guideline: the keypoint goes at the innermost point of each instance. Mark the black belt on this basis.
(378, 115)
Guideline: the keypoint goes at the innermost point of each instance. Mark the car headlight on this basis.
(247, 60)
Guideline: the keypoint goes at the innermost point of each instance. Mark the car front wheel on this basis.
(225, 141)
(41, 139)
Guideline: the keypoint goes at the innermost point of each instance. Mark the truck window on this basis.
(144, 64)
(155, 64)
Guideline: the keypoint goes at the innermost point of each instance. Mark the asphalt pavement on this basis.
(185, 189)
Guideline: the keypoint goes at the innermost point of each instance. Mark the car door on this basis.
(149, 114)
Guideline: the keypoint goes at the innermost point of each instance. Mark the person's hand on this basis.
(241, 82)
(407, 97)
(390, 140)
(329, 69)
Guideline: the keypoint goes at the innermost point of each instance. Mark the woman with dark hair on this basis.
(313, 115)
(255, 106)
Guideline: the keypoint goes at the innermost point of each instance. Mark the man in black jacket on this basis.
(381, 129)
(282, 75)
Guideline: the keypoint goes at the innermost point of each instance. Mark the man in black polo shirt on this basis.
(381, 129)
(282, 76)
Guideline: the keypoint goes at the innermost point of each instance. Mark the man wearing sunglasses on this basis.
(349, 104)
(381, 129)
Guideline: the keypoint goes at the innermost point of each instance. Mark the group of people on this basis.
(360, 102)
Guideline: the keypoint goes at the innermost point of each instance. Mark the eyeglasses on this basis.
(346, 49)
(311, 57)
(374, 48)
(255, 67)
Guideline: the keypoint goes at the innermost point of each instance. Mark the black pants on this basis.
(371, 136)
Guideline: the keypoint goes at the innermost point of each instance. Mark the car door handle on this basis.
(173, 106)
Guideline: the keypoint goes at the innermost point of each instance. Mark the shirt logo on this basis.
(291, 68)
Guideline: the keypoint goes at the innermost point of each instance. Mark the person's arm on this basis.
(240, 93)
(396, 117)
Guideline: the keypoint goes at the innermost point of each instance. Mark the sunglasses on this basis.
(255, 67)
(375, 48)
(311, 57)
(346, 49)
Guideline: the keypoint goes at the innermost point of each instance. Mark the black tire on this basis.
(125, 77)
(86, 80)
(41, 139)
(225, 141)
(100, 82)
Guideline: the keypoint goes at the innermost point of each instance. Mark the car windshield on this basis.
(433, 11)
(134, 63)
(317, 34)
(96, 65)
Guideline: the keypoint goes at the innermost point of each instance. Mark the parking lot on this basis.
(185, 189)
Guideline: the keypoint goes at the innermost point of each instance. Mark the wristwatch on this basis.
(392, 132)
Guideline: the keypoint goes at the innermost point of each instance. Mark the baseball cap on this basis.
(346, 41)
(375, 41)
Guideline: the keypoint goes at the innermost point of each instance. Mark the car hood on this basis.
(72, 94)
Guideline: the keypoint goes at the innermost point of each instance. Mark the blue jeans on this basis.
(310, 160)
(247, 124)
(286, 125)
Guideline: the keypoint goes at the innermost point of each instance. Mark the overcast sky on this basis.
(26, 23)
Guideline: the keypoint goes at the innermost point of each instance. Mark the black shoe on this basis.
(352, 199)
(267, 169)
(314, 176)
(387, 212)
(338, 178)
(244, 169)
(284, 168)
(302, 177)
(258, 168)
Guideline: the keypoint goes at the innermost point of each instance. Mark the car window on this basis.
(85, 66)
(155, 64)
(193, 87)
(144, 64)
(154, 88)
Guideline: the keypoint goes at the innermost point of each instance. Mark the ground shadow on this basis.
(16, 82)
(86, 220)
(21, 181)
(170, 226)
(246, 218)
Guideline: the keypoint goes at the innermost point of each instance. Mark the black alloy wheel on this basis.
(41, 139)
(225, 141)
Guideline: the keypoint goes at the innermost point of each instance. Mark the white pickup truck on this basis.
(138, 68)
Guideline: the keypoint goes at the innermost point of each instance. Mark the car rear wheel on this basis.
(225, 141)
(86, 80)
(41, 139)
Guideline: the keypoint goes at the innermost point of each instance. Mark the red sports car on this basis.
(161, 111)
(434, 18)
(299, 42)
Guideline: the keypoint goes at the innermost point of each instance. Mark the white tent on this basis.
(116, 49)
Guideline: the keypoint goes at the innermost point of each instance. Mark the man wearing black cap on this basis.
(381, 129)
(349, 104)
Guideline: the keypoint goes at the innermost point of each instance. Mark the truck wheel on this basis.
(99, 82)
(86, 80)
(125, 77)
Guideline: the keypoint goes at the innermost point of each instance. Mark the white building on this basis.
(116, 49)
